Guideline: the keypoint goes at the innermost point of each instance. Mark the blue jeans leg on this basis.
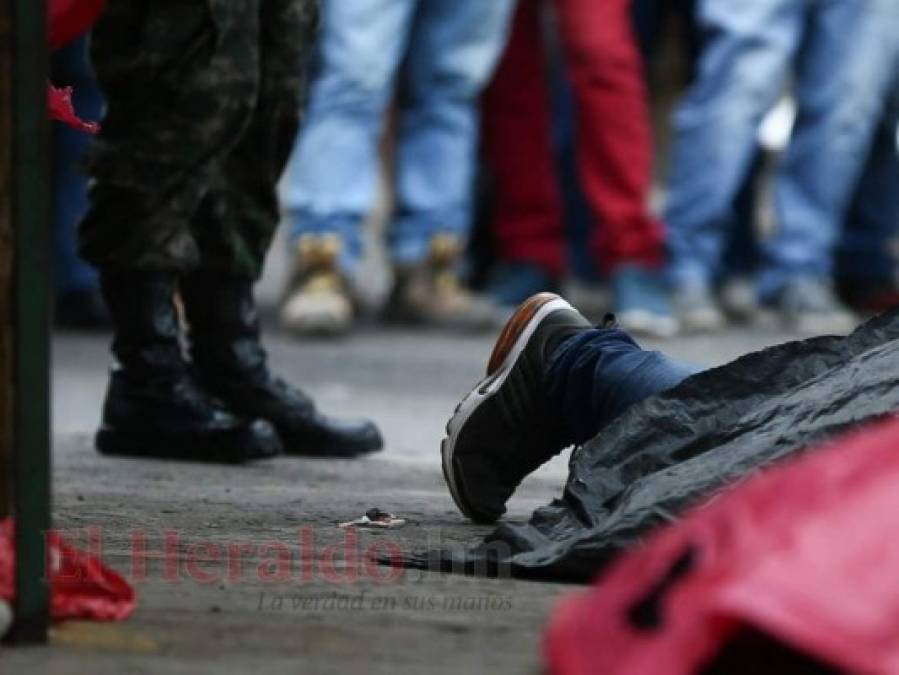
(596, 375)
(843, 76)
(453, 50)
(748, 51)
(869, 247)
(331, 182)
(72, 274)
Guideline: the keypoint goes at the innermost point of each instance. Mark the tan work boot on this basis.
(431, 292)
(317, 300)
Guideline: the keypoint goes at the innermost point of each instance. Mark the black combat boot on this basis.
(231, 363)
(154, 406)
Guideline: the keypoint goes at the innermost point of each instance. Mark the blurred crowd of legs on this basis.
(685, 163)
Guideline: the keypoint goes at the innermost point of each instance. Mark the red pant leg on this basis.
(614, 133)
(527, 223)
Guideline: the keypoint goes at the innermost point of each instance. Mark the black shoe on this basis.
(173, 418)
(154, 407)
(232, 364)
(502, 431)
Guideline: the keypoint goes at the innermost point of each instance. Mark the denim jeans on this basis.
(842, 53)
(70, 147)
(437, 55)
(596, 375)
(869, 248)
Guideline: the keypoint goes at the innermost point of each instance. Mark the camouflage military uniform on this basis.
(203, 104)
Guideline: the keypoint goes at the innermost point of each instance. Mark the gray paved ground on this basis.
(409, 382)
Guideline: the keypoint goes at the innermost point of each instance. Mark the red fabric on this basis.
(68, 19)
(614, 137)
(61, 109)
(527, 224)
(81, 587)
(806, 553)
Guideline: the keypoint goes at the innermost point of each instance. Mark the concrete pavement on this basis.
(341, 617)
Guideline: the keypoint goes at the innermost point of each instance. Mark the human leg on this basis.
(552, 381)
(234, 228)
(614, 135)
(332, 179)
(595, 376)
(237, 218)
(231, 363)
(867, 266)
(527, 222)
(454, 47)
(78, 303)
(180, 80)
(743, 67)
(180, 86)
(615, 156)
(844, 72)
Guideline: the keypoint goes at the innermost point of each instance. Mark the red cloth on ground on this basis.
(614, 137)
(81, 587)
(806, 553)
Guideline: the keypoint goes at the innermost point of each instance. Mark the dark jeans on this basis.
(70, 68)
(867, 253)
(596, 375)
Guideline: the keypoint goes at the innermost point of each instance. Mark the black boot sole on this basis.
(257, 442)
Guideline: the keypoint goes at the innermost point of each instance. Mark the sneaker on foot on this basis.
(431, 292)
(502, 431)
(317, 300)
(811, 307)
(696, 309)
(739, 299)
(641, 303)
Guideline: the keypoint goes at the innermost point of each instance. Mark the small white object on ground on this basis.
(377, 519)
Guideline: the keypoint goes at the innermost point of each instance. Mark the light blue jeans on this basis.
(842, 54)
(436, 56)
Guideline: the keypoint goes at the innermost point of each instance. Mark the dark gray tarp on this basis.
(676, 449)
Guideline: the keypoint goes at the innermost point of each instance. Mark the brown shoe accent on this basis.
(514, 326)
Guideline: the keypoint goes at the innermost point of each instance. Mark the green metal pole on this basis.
(32, 271)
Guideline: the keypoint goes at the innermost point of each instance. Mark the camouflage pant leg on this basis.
(236, 222)
(183, 82)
